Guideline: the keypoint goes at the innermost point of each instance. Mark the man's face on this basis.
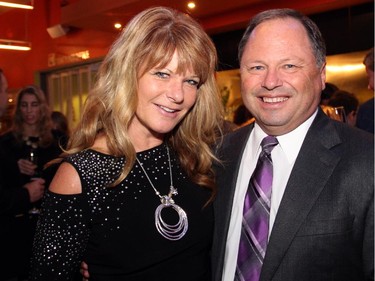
(280, 81)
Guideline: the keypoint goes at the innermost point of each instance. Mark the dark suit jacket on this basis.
(324, 227)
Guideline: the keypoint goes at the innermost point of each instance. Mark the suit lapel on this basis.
(312, 169)
(228, 173)
(226, 177)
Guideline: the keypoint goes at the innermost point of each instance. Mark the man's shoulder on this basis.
(356, 140)
(368, 105)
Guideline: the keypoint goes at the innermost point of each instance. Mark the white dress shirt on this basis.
(283, 157)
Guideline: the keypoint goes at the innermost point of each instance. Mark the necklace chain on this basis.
(172, 190)
(168, 231)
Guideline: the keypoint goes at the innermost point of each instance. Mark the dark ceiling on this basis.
(215, 15)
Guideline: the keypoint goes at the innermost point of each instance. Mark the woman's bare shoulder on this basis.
(66, 180)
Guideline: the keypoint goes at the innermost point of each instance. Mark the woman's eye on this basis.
(193, 82)
(161, 74)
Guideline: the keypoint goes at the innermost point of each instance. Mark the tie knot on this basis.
(268, 143)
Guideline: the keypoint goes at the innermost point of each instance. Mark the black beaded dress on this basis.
(113, 228)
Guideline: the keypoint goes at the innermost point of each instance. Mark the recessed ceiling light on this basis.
(117, 25)
(191, 5)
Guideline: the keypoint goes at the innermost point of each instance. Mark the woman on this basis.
(24, 150)
(131, 197)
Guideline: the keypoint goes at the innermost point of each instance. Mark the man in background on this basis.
(365, 118)
(3, 93)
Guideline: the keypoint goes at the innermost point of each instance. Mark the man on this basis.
(320, 225)
(349, 102)
(365, 118)
(14, 200)
(3, 93)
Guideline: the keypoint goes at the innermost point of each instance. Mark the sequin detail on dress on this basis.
(103, 225)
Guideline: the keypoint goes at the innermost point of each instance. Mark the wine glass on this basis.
(336, 113)
(33, 157)
(340, 113)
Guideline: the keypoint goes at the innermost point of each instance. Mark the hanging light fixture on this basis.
(15, 45)
(18, 4)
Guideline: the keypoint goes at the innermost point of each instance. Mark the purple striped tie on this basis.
(254, 233)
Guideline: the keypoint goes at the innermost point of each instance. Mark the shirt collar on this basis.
(289, 143)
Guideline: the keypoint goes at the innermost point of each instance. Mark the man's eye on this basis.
(289, 66)
(255, 67)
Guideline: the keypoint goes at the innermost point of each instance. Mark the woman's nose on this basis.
(175, 93)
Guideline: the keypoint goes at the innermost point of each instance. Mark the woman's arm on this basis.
(62, 231)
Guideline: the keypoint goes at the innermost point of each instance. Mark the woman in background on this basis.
(24, 150)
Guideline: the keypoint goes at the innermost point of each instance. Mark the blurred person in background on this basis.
(24, 150)
(365, 117)
(327, 92)
(3, 93)
(60, 128)
(350, 103)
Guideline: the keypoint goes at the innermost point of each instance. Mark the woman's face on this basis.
(164, 98)
(30, 109)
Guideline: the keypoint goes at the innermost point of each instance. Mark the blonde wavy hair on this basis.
(44, 126)
(149, 40)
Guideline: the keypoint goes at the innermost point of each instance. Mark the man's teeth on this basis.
(167, 109)
(272, 100)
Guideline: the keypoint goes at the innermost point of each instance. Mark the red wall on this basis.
(31, 25)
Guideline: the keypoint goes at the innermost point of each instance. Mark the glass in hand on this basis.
(34, 159)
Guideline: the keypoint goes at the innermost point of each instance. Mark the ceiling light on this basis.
(17, 5)
(191, 5)
(15, 45)
(117, 25)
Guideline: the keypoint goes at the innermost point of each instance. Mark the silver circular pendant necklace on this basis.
(169, 231)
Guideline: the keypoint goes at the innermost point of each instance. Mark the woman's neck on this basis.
(30, 131)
